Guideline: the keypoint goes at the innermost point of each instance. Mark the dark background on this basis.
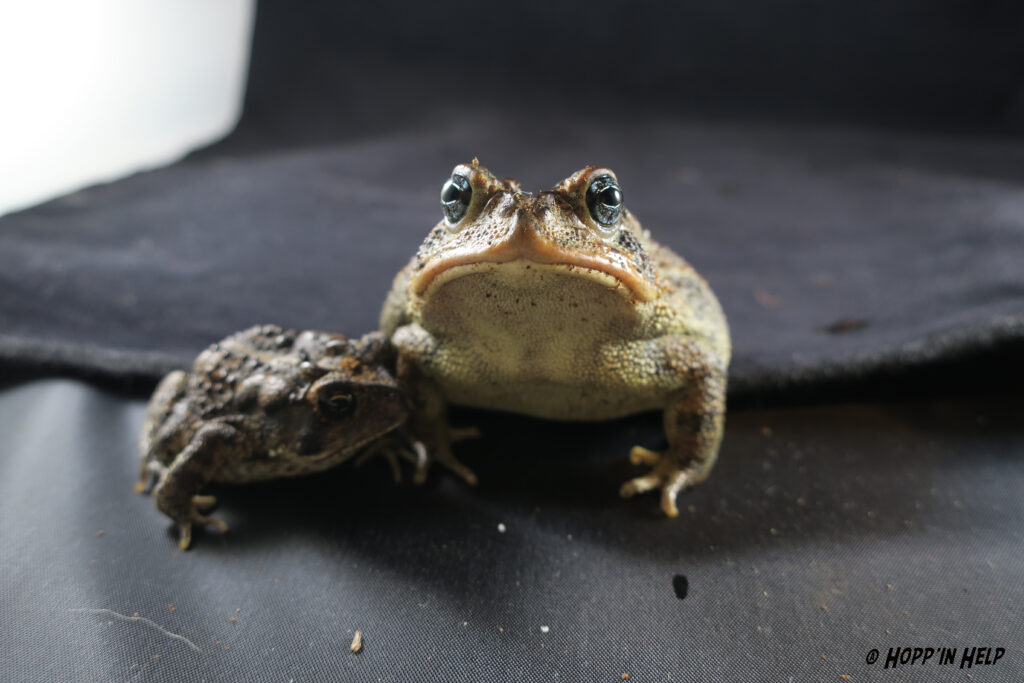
(848, 176)
(316, 74)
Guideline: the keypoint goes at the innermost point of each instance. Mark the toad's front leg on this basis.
(430, 422)
(177, 493)
(694, 422)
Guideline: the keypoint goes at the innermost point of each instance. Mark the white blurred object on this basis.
(93, 90)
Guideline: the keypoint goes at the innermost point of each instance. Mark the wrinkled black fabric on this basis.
(822, 533)
(836, 252)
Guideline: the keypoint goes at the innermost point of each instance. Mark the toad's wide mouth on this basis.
(614, 271)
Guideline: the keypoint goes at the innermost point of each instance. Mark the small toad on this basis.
(560, 305)
(266, 403)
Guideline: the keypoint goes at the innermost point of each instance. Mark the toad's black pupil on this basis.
(451, 192)
(604, 201)
(339, 403)
(611, 196)
(455, 197)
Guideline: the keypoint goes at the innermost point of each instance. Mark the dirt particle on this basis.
(845, 325)
(100, 532)
(624, 677)
(766, 299)
(681, 585)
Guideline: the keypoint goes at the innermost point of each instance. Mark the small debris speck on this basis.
(357, 642)
(544, 629)
(624, 677)
(846, 325)
(171, 607)
(845, 677)
(773, 531)
(890, 586)
(135, 615)
(100, 532)
(681, 585)
(767, 431)
(233, 620)
(766, 299)
(824, 658)
(824, 608)
(501, 528)
(237, 610)
(801, 501)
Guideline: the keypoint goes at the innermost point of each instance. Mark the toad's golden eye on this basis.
(337, 403)
(604, 201)
(455, 197)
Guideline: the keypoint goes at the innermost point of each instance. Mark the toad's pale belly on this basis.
(549, 343)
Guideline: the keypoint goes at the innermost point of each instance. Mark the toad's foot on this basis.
(441, 452)
(149, 474)
(430, 422)
(394, 447)
(446, 458)
(199, 503)
(666, 474)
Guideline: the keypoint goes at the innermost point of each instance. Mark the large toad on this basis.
(559, 305)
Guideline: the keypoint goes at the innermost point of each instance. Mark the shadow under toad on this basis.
(834, 474)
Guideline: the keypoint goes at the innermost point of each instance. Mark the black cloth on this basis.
(835, 252)
(822, 533)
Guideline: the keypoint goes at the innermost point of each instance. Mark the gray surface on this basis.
(904, 521)
(916, 239)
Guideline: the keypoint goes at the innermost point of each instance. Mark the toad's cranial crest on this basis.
(560, 305)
